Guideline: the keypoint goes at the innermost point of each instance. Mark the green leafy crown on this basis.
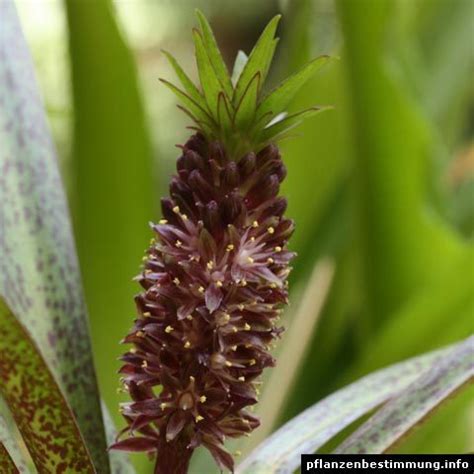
(233, 109)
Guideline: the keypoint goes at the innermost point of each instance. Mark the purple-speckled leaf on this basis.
(307, 432)
(37, 405)
(39, 275)
(419, 399)
(7, 466)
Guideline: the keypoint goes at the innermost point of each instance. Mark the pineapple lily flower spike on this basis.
(215, 277)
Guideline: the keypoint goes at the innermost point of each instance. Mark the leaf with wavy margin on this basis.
(37, 405)
(416, 402)
(311, 429)
(39, 274)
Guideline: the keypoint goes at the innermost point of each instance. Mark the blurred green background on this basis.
(381, 188)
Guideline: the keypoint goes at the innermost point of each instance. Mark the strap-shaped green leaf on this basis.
(419, 399)
(211, 86)
(214, 54)
(245, 110)
(39, 274)
(7, 466)
(278, 100)
(258, 60)
(239, 64)
(37, 405)
(289, 122)
(311, 429)
(188, 85)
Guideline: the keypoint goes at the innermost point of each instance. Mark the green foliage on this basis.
(414, 403)
(234, 111)
(36, 403)
(111, 153)
(39, 275)
(402, 384)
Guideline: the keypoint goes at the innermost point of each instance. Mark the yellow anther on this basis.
(228, 363)
(250, 259)
(219, 284)
(234, 329)
(234, 348)
(270, 260)
(247, 327)
(271, 230)
(133, 350)
(148, 271)
(257, 391)
(252, 362)
(247, 422)
(255, 224)
(163, 405)
(230, 247)
(278, 248)
(176, 209)
(163, 221)
(192, 379)
(184, 217)
(248, 346)
(144, 259)
(178, 243)
(140, 334)
(241, 307)
(176, 281)
(201, 289)
(203, 398)
(252, 239)
(243, 282)
(144, 364)
(241, 379)
(189, 317)
(187, 345)
(152, 241)
(210, 265)
(169, 329)
(238, 453)
(273, 285)
(226, 317)
(199, 418)
(147, 314)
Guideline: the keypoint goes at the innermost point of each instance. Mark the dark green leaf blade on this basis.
(211, 86)
(214, 53)
(37, 405)
(315, 426)
(410, 407)
(278, 100)
(39, 274)
(188, 85)
(258, 59)
(7, 466)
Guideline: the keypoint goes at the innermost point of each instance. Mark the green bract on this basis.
(233, 109)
